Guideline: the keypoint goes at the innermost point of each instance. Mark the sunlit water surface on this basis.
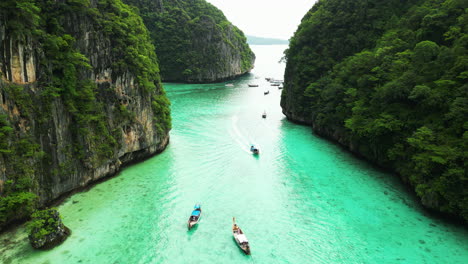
(303, 200)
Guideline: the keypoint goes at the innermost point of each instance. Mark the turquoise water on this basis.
(302, 200)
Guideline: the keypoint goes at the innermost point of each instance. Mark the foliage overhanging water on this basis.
(302, 200)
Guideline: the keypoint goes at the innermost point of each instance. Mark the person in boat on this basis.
(235, 228)
(254, 149)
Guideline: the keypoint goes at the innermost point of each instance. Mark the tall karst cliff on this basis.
(80, 96)
(194, 40)
(389, 80)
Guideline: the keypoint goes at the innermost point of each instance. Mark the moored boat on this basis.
(280, 87)
(229, 84)
(253, 85)
(195, 216)
(240, 237)
(264, 114)
(266, 92)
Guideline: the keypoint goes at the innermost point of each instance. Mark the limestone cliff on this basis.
(80, 97)
(194, 41)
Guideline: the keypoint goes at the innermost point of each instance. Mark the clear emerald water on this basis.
(303, 200)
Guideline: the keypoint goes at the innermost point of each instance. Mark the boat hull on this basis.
(241, 239)
(191, 224)
(193, 220)
(245, 249)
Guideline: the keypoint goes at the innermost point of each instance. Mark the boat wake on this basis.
(243, 142)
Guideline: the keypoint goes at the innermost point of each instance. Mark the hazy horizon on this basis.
(264, 18)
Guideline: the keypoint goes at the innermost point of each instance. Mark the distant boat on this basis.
(254, 150)
(264, 114)
(275, 81)
(253, 85)
(240, 237)
(280, 87)
(268, 79)
(275, 84)
(266, 92)
(229, 84)
(195, 217)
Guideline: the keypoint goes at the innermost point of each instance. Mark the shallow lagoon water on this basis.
(302, 200)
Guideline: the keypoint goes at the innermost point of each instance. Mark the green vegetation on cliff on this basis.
(65, 76)
(46, 229)
(389, 79)
(194, 40)
(42, 223)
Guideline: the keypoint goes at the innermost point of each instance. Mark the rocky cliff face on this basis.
(80, 97)
(223, 57)
(194, 41)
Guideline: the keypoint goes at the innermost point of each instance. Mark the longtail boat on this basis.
(195, 216)
(240, 237)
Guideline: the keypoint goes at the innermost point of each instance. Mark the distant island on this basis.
(252, 40)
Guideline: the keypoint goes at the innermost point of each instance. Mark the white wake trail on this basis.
(237, 135)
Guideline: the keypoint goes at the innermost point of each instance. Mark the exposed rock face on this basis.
(20, 65)
(194, 40)
(290, 109)
(56, 231)
(83, 114)
(223, 59)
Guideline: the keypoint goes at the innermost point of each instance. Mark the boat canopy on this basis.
(242, 238)
(196, 213)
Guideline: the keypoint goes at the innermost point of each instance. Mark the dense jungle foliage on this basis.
(61, 75)
(193, 39)
(43, 223)
(389, 79)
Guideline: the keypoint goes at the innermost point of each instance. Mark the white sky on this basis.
(265, 18)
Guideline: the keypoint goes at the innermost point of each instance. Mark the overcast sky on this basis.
(265, 18)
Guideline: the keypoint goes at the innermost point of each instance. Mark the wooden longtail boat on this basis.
(195, 216)
(240, 237)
